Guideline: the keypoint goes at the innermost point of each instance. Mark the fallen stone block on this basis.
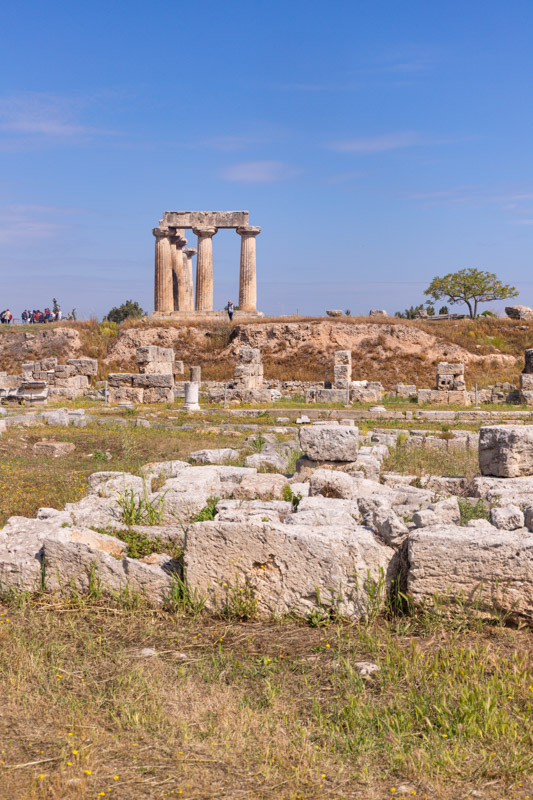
(319, 510)
(288, 568)
(506, 451)
(263, 486)
(253, 510)
(332, 483)
(50, 449)
(443, 512)
(323, 443)
(507, 518)
(491, 569)
(214, 456)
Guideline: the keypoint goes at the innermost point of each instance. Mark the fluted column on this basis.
(204, 268)
(177, 243)
(248, 276)
(188, 253)
(163, 297)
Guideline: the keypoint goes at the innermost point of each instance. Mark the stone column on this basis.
(204, 268)
(248, 278)
(191, 396)
(188, 253)
(177, 243)
(163, 297)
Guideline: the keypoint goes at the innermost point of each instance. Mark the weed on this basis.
(289, 496)
(241, 603)
(182, 599)
(138, 510)
(208, 512)
(477, 511)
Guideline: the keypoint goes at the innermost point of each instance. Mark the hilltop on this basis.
(294, 348)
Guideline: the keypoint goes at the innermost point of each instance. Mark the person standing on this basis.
(230, 310)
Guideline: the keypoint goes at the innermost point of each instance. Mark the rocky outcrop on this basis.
(519, 312)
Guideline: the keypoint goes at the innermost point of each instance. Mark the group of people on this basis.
(37, 316)
(6, 317)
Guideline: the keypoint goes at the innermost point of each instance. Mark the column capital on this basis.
(205, 231)
(248, 230)
(178, 241)
(161, 232)
(190, 251)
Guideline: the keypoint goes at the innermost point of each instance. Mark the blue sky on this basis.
(378, 144)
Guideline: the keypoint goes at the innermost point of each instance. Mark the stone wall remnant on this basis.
(506, 451)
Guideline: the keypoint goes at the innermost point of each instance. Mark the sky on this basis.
(377, 144)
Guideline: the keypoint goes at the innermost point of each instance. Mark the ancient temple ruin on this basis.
(175, 294)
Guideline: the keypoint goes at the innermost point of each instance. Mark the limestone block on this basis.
(157, 367)
(125, 394)
(458, 398)
(158, 395)
(268, 458)
(148, 381)
(334, 312)
(48, 364)
(253, 510)
(405, 390)
(50, 449)
(70, 567)
(508, 518)
(179, 368)
(59, 418)
(84, 366)
(444, 512)
(319, 510)
(527, 397)
(20, 556)
(331, 483)
(502, 491)
(325, 396)
(342, 372)
(323, 443)
(444, 368)
(343, 357)
(493, 568)
(214, 456)
(287, 567)
(526, 381)
(519, 312)
(263, 486)
(506, 451)
(528, 518)
(121, 378)
(249, 355)
(146, 354)
(57, 392)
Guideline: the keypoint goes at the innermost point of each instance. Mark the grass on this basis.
(260, 709)
(420, 461)
(28, 482)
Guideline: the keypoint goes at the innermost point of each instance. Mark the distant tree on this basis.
(415, 312)
(444, 310)
(129, 309)
(470, 286)
(55, 306)
(348, 313)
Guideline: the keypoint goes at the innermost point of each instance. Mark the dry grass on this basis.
(28, 482)
(258, 709)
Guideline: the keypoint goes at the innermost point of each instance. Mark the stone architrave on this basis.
(179, 283)
(188, 254)
(248, 276)
(163, 295)
(204, 268)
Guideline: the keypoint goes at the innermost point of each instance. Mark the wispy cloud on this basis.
(377, 144)
(260, 172)
(37, 118)
(515, 205)
(30, 222)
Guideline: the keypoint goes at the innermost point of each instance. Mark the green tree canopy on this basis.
(470, 286)
(127, 309)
